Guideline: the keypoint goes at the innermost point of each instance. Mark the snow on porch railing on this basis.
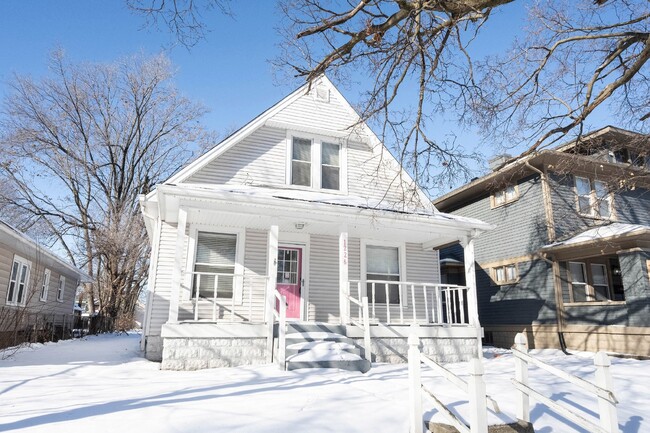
(363, 320)
(602, 390)
(400, 302)
(224, 296)
(474, 388)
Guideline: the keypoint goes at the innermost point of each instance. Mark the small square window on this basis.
(505, 195)
(506, 274)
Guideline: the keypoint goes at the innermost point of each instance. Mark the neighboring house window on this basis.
(506, 195)
(600, 282)
(578, 277)
(59, 293)
(383, 265)
(593, 198)
(45, 285)
(506, 274)
(214, 266)
(330, 166)
(301, 162)
(18, 281)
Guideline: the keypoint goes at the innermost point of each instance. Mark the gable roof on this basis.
(357, 129)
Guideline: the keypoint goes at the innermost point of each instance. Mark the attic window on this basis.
(322, 94)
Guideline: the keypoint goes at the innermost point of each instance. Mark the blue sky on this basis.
(229, 72)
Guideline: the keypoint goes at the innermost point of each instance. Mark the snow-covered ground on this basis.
(102, 384)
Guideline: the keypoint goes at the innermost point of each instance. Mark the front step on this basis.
(321, 345)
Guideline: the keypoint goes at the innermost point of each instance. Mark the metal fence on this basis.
(20, 325)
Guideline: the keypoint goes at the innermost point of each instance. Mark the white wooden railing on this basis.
(474, 388)
(280, 315)
(230, 305)
(602, 390)
(362, 321)
(444, 304)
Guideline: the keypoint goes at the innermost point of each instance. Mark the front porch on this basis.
(238, 281)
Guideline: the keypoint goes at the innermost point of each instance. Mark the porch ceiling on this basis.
(322, 218)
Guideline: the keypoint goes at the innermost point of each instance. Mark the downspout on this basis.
(558, 309)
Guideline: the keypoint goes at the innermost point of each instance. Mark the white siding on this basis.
(163, 279)
(323, 278)
(258, 159)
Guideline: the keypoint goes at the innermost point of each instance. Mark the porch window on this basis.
(59, 293)
(301, 162)
(330, 166)
(214, 266)
(578, 277)
(600, 281)
(383, 265)
(45, 285)
(18, 281)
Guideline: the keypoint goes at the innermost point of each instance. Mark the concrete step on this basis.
(293, 327)
(317, 336)
(360, 365)
(322, 347)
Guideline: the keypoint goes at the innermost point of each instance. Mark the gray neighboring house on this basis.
(569, 260)
(33, 281)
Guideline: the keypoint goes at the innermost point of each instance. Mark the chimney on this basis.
(497, 160)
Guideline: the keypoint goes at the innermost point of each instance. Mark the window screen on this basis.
(383, 265)
(214, 265)
(330, 166)
(301, 162)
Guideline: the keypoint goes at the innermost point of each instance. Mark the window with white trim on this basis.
(214, 265)
(45, 285)
(316, 163)
(301, 162)
(61, 290)
(593, 198)
(504, 196)
(382, 264)
(505, 274)
(18, 281)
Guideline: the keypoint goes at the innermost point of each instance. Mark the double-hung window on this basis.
(600, 282)
(593, 198)
(214, 266)
(18, 281)
(45, 285)
(61, 291)
(316, 163)
(382, 264)
(589, 287)
(505, 195)
(301, 162)
(578, 277)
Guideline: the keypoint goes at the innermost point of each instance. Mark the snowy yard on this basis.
(101, 384)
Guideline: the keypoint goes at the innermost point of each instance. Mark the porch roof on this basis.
(603, 239)
(325, 213)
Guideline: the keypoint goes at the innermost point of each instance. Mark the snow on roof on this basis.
(602, 233)
(333, 199)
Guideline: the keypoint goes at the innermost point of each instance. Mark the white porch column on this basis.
(344, 304)
(271, 272)
(177, 272)
(472, 296)
(271, 275)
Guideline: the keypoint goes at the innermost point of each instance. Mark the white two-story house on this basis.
(305, 207)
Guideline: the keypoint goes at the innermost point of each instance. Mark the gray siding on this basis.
(9, 247)
(520, 226)
(634, 269)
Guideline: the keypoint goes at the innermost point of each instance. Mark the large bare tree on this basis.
(78, 146)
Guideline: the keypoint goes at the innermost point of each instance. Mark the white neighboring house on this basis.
(305, 204)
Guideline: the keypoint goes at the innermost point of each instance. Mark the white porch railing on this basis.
(602, 390)
(363, 321)
(233, 306)
(444, 304)
(474, 388)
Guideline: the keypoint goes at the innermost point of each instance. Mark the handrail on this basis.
(281, 316)
(607, 414)
(363, 322)
(475, 388)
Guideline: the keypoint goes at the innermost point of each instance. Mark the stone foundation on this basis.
(200, 353)
(442, 350)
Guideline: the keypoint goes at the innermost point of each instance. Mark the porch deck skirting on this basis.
(194, 346)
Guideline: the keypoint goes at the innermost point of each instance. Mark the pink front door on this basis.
(289, 278)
